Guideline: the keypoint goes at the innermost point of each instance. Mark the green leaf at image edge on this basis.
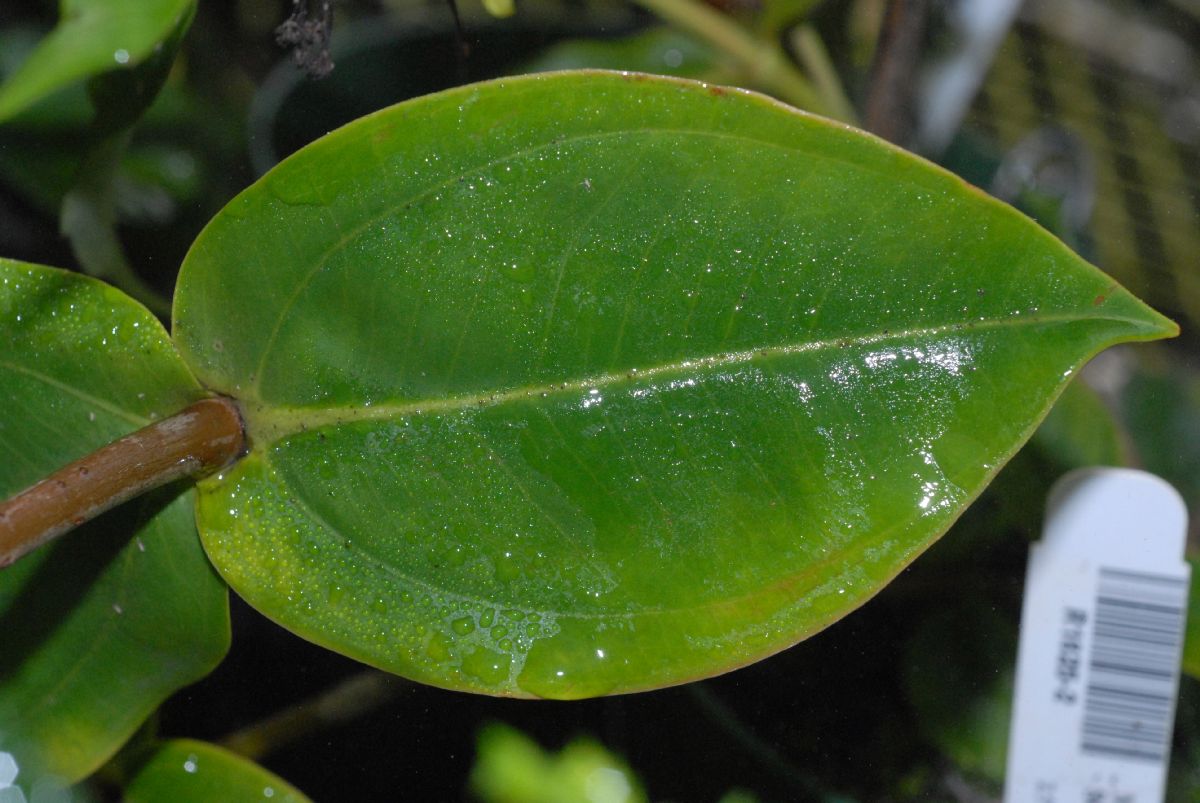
(510, 766)
(188, 771)
(100, 627)
(92, 37)
(1191, 644)
(585, 383)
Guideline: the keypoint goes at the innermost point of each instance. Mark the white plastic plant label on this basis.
(1101, 635)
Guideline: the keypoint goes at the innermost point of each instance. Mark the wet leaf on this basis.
(587, 383)
(187, 771)
(98, 629)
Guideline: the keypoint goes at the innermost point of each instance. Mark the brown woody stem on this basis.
(200, 439)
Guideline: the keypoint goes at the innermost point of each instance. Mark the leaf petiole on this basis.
(196, 441)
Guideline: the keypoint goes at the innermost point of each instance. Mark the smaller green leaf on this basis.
(65, 109)
(100, 627)
(738, 796)
(779, 15)
(657, 50)
(184, 770)
(89, 221)
(92, 37)
(499, 8)
(1183, 776)
(1081, 431)
(511, 768)
(121, 97)
(1161, 407)
(958, 673)
(1191, 640)
(89, 209)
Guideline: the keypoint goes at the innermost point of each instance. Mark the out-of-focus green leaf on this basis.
(659, 50)
(511, 768)
(959, 674)
(188, 771)
(89, 208)
(92, 37)
(1161, 406)
(165, 174)
(778, 15)
(89, 221)
(499, 8)
(738, 796)
(41, 150)
(42, 172)
(99, 628)
(66, 108)
(1081, 431)
(121, 97)
(583, 383)
(1191, 642)
(1183, 775)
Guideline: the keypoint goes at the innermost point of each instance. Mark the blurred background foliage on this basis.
(1084, 113)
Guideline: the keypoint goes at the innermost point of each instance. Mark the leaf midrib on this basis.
(268, 424)
(390, 209)
(78, 393)
(383, 566)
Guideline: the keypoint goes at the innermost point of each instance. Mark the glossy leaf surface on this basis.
(99, 628)
(584, 383)
(188, 771)
(92, 37)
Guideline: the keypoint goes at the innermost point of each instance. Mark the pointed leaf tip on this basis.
(586, 383)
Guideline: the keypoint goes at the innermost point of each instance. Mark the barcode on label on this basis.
(1133, 672)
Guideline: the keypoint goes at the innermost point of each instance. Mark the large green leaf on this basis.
(585, 383)
(96, 630)
(187, 771)
(92, 37)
